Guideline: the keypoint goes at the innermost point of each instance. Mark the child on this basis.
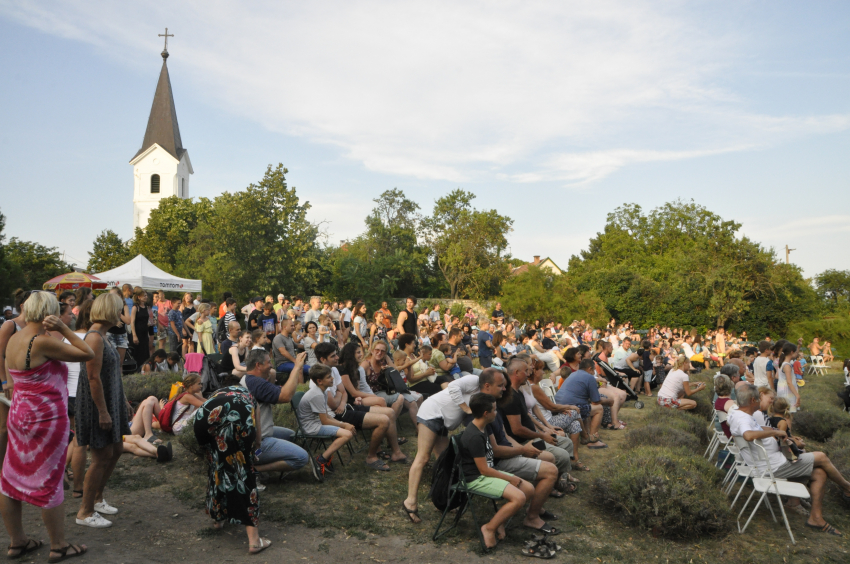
(314, 419)
(477, 462)
(258, 339)
(204, 329)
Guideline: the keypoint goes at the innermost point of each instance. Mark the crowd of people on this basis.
(532, 397)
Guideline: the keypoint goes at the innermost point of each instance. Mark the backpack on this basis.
(166, 413)
(445, 474)
(392, 381)
(210, 376)
(221, 331)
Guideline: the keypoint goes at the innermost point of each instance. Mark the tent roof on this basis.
(142, 272)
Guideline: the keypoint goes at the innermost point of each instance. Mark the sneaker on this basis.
(317, 470)
(95, 521)
(324, 467)
(105, 508)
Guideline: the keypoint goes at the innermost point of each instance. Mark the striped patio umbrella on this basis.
(74, 280)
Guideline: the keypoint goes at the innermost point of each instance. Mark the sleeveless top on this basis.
(141, 322)
(409, 324)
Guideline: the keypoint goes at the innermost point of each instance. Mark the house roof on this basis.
(524, 267)
(162, 124)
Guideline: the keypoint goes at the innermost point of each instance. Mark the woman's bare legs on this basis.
(102, 464)
(141, 424)
(78, 467)
(136, 445)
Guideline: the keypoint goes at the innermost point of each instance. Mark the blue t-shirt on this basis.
(262, 390)
(483, 350)
(769, 366)
(175, 318)
(579, 388)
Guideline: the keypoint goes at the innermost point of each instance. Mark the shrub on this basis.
(840, 440)
(841, 460)
(188, 441)
(704, 409)
(669, 491)
(458, 310)
(819, 424)
(662, 436)
(138, 387)
(684, 421)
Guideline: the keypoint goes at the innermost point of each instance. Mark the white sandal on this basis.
(264, 544)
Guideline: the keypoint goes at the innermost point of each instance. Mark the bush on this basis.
(704, 409)
(668, 491)
(458, 310)
(841, 460)
(683, 421)
(839, 441)
(662, 436)
(819, 424)
(188, 441)
(138, 387)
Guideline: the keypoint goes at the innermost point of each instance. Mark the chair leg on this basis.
(477, 526)
(785, 518)
(756, 508)
(437, 533)
(734, 501)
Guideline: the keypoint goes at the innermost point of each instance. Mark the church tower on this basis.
(162, 167)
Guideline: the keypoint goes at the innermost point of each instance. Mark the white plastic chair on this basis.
(548, 386)
(819, 367)
(768, 484)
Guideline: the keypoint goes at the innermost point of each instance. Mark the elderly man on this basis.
(814, 466)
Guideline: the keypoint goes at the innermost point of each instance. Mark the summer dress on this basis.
(38, 434)
(87, 418)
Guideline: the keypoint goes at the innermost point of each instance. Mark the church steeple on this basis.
(161, 168)
(162, 123)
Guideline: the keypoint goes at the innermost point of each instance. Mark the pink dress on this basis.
(38, 436)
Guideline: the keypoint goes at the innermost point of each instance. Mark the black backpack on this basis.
(221, 331)
(445, 474)
(392, 381)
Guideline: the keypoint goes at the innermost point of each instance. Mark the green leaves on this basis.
(33, 264)
(539, 294)
(108, 252)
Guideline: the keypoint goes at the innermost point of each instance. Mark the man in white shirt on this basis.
(813, 465)
(621, 353)
(441, 413)
(314, 312)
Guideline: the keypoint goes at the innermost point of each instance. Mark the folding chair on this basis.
(460, 487)
(309, 442)
(819, 367)
(549, 387)
(766, 484)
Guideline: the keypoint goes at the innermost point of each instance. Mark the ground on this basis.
(356, 517)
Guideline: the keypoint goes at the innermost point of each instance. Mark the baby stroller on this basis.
(618, 381)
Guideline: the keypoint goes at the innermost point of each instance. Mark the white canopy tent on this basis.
(142, 272)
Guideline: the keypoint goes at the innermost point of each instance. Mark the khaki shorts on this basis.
(525, 468)
(485, 485)
(802, 468)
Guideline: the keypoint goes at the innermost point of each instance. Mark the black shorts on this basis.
(72, 407)
(354, 415)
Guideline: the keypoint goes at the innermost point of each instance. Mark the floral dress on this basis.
(224, 427)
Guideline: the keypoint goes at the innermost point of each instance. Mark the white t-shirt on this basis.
(73, 370)
(688, 351)
(674, 385)
(740, 422)
(346, 314)
(760, 371)
(332, 388)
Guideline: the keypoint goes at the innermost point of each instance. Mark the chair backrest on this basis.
(455, 442)
(758, 453)
(295, 402)
(722, 416)
(548, 387)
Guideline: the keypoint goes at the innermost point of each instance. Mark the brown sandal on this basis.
(78, 551)
(29, 547)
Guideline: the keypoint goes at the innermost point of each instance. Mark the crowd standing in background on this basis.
(533, 396)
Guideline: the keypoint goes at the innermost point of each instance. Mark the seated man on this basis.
(477, 462)
(581, 390)
(815, 466)
(380, 419)
(283, 349)
(315, 418)
(519, 425)
(277, 453)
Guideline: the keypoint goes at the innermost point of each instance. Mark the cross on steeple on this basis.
(166, 35)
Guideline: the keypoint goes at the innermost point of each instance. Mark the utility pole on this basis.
(787, 254)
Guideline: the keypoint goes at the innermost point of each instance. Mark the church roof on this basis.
(162, 123)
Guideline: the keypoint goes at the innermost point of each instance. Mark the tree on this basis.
(108, 251)
(6, 268)
(168, 230)
(539, 294)
(33, 264)
(834, 285)
(468, 245)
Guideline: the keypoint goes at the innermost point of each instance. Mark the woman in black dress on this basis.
(139, 325)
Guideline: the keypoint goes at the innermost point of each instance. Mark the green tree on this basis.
(6, 268)
(108, 251)
(168, 229)
(468, 245)
(539, 294)
(834, 285)
(33, 264)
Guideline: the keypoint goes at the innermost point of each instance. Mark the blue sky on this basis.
(552, 113)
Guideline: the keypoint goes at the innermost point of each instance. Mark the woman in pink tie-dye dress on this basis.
(38, 425)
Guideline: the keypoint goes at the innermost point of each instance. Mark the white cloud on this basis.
(454, 91)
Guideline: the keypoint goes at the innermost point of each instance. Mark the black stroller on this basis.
(618, 381)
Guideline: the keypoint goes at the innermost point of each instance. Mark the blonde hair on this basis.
(107, 308)
(680, 361)
(39, 305)
(138, 292)
(764, 390)
(191, 379)
(203, 308)
(779, 407)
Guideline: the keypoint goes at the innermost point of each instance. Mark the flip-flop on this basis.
(539, 551)
(378, 465)
(597, 447)
(579, 466)
(384, 454)
(264, 544)
(25, 549)
(546, 528)
(410, 513)
(825, 528)
(75, 492)
(404, 460)
(548, 516)
(402, 441)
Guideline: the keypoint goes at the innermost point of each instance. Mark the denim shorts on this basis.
(119, 341)
(412, 397)
(278, 447)
(437, 426)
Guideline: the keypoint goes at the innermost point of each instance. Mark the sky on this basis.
(552, 113)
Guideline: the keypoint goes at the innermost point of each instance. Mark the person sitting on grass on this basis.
(677, 385)
(477, 462)
(315, 417)
(277, 451)
(138, 446)
(581, 390)
(156, 363)
(815, 466)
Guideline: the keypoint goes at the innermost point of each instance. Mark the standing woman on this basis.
(786, 381)
(117, 334)
(139, 318)
(83, 295)
(38, 426)
(187, 312)
(101, 411)
(225, 428)
(8, 329)
(361, 328)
